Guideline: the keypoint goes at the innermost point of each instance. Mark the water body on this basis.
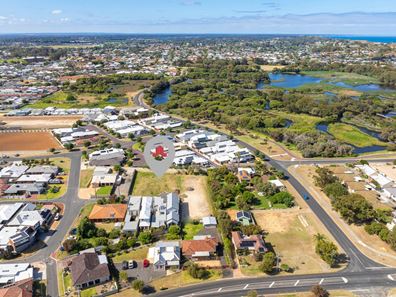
(286, 80)
(391, 114)
(324, 127)
(163, 97)
(382, 39)
(117, 100)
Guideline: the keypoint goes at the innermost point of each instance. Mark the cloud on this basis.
(56, 12)
(191, 2)
(250, 11)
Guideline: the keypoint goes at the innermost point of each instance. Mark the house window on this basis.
(97, 281)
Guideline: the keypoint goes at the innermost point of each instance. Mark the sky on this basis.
(345, 17)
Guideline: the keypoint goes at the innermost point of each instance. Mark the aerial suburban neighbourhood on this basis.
(197, 164)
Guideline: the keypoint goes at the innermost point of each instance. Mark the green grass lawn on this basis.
(190, 230)
(104, 191)
(147, 183)
(138, 146)
(88, 292)
(85, 177)
(301, 122)
(138, 255)
(88, 100)
(352, 135)
(348, 78)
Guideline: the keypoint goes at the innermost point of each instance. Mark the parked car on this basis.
(73, 231)
(57, 217)
(125, 265)
(146, 263)
(131, 264)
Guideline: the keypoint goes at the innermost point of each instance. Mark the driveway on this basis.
(145, 274)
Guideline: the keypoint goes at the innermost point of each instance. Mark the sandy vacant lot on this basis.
(39, 122)
(197, 199)
(291, 231)
(387, 169)
(27, 141)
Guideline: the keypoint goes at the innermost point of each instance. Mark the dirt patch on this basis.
(41, 122)
(197, 199)
(271, 67)
(27, 141)
(276, 220)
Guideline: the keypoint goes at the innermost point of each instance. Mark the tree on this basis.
(196, 272)
(86, 229)
(145, 237)
(87, 143)
(268, 262)
(283, 198)
(326, 249)
(124, 276)
(70, 98)
(335, 190)
(285, 267)
(324, 177)
(319, 291)
(69, 244)
(69, 146)
(173, 232)
(138, 285)
(117, 168)
(354, 208)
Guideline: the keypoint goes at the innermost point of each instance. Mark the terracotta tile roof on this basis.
(87, 267)
(22, 288)
(108, 211)
(190, 247)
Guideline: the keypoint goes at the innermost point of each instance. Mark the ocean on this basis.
(383, 39)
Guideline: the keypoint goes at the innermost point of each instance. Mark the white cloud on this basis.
(56, 11)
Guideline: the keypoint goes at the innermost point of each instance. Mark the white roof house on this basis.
(277, 183)
(382, 180)
(165, 255)
(209, 221)
(15, 170)
(11, 273)
(7, 211)
(367, 170)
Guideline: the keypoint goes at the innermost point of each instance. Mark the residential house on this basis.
(25, 189)
(244, 217)
(108, 212)
(277, 183)
(43, 169)
(8, 211)
(15, 272)
(107, 157)
(89, 269)
(200, 249)
(23, 288)
(253, 243)
(165, 254)
(245, 174)
(390, 193)
(15, 240)
(102, 177)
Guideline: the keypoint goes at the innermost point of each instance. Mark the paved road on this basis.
(287, 284)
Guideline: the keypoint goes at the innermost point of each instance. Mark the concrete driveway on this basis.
(145, 274)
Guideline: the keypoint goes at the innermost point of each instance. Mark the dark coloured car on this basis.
(125, 265)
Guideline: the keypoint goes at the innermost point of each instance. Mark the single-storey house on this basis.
(108, 212)
(200, 249)
(254, 243)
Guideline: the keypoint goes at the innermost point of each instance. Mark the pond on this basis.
(324, 127)
(117, 100)
(163, 97)
(391, 114)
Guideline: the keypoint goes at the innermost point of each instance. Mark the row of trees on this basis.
(354, 208)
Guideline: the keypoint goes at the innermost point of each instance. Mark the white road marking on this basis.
(219, 289)
(345, 280)
(391, 277)
(296, 283)
(321, 281)
(245, 287)
(271, 285)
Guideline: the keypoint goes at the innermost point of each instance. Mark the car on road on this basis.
(131, 264)
(125, 265)
(146, 263)
(306, 197)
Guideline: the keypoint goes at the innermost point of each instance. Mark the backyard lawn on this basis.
(190, 230)
(352, 135)
(147, 183)
(88, 292)
(104, 191)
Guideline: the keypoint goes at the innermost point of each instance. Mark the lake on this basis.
(163, 97)
(286, 80)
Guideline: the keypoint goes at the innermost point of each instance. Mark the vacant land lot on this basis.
(147, 183)
(292, 226)
(196, 196)
(39, 122)
(352, 135)
(27, 141)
